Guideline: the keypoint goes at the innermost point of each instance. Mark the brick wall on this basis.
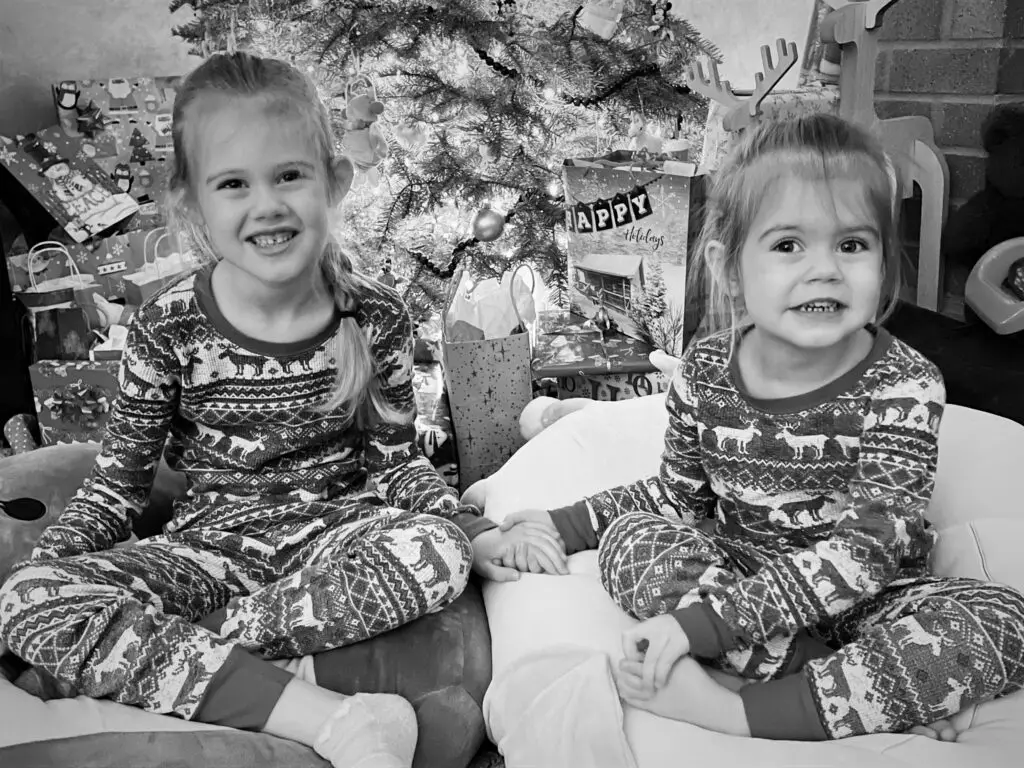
(952, 61)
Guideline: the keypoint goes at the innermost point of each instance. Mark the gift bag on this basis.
(488, 378)
(55, 290)
(632, 220)
(161, 264)
(74, 190)
(73, 399)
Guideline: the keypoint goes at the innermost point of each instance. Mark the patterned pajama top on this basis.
(819, 499)
(245, 426)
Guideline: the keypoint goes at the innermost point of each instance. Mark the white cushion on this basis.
(976, 505)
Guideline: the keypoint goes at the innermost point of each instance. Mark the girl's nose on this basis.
(266, 201)
(823, 264)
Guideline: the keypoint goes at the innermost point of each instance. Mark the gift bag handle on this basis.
(49, 246)
(453, 287)
(162, 233)
(512, 295)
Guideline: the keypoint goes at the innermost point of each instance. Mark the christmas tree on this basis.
(483, 101)
(138, 143)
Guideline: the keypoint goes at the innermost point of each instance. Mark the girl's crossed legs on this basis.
(916, 654)
(119, 623)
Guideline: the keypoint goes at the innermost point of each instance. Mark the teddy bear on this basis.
(364, 143)
(996, 213)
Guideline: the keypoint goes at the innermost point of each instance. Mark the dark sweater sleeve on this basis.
(404, 477)
(679, 491)
(117, 490)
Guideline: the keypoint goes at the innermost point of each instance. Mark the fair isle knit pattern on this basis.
(245, 424)
(818, 500)
(280, 530)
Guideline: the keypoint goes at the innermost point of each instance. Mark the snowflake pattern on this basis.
(6, 155)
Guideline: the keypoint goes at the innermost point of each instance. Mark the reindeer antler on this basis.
(714, 88)
(766, 80)
(743, 112)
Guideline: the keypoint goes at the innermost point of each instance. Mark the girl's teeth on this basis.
(824, 307)
(268, 241)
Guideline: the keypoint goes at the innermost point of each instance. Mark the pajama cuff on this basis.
(574, 526)
(243, 692)
(783, 709)
(707, 632)
(472, 523)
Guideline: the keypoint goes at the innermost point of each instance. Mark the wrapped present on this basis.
(632, 219)
(585, 362)
(125, 125)
(75, 191)
(73, 399)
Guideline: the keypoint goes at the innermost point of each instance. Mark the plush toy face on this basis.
(363, 108)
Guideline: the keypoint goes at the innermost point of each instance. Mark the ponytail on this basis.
(357, 390)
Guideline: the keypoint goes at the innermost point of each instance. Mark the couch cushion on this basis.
(612, 443)
(52, 475)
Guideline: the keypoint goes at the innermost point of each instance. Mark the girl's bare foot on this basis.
(689, 695)
(940, 730)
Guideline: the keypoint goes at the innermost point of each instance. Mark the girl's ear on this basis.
(725, 274)
(344, 172)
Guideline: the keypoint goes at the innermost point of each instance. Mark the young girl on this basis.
(785, 537)
(284, 381)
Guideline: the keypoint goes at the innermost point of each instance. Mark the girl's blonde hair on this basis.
(817, 147)
(289, 94)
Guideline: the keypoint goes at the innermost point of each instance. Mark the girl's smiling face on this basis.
(810, 268)
(261, 189)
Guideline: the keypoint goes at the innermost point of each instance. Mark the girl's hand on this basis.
(536, 548)
(658, 644)
(538, 516)
(501, 556)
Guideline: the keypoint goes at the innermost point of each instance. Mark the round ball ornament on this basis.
(488, 225)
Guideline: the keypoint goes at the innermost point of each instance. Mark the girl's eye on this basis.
(788, 245)
(231, 184)
(853, 245)
(292, 175)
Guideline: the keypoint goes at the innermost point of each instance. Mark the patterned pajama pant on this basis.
(919, 652)
(306, 577)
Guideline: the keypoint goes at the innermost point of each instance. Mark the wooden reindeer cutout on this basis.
(743, 112)
(910, 141)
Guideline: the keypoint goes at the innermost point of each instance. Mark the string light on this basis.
(554, 188)
(549, 93)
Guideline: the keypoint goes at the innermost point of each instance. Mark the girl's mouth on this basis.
(821, 306)
(273, 242)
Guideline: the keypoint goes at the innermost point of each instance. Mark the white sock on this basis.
(369, 730)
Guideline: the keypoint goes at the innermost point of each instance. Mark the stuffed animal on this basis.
(996, 213)
(364, 143)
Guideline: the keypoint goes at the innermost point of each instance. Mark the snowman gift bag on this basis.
(74, 190)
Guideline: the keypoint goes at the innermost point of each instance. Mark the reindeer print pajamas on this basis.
(298, 533)
(788, 537)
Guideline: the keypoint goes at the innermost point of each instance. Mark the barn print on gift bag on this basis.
(629, 232)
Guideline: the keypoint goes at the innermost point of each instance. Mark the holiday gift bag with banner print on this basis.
(488, 378)
(73, 189)
(632, 219)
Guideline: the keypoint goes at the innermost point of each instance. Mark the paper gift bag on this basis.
(161, 264)
(79, 195)
(489, 382)
(55, 290)
(632, 220)
(61, 333)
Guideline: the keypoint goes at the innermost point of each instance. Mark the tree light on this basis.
(549, 93)
(554, 188)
